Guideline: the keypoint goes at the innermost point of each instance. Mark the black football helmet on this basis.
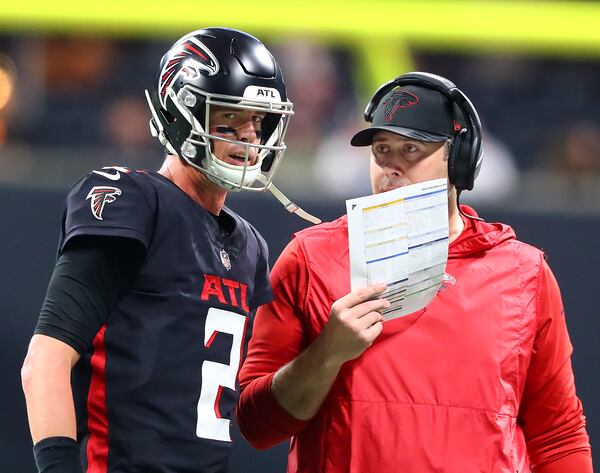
(228, 68)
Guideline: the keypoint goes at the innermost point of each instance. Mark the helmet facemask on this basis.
(197, 148)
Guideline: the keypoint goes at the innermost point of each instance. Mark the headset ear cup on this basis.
(462, 169)
(462, 175)
(452, 156)
(468, 156)
(463, 164)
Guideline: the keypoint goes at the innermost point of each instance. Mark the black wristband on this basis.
(57, 455)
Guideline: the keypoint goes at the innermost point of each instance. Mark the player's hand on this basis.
(354, 323)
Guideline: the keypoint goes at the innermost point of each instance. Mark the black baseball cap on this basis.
(416, 112)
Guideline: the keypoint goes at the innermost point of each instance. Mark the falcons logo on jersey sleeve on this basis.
(100, 196)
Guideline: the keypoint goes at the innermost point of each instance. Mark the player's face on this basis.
(398, 161)
(235, 124)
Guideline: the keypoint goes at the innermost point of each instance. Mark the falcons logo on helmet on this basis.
(399, 99)
(100, 196)
(188, 57)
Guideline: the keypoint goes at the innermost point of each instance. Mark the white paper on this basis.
(400, 238)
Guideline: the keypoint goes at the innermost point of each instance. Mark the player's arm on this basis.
(46, 377)
(550, 413)
(85, 285)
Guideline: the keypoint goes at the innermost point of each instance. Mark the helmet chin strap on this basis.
(221, 173)
(289, 205)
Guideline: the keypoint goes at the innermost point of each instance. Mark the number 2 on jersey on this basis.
(215, 375)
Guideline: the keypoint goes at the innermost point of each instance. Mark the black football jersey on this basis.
(157, 390)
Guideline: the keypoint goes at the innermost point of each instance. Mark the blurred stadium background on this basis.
(72, 76)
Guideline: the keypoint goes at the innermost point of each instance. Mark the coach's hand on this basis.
(354, 323)
(302, 385)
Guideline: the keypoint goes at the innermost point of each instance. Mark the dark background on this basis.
(28, 237)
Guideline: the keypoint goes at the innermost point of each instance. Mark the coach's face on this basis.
(397, 161)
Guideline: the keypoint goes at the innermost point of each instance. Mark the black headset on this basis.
(465, 156)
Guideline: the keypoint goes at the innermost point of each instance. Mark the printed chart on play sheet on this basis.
(400, 238)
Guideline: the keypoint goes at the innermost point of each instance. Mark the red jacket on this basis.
(478, 381)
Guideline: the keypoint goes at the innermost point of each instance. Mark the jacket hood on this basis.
(478, 236)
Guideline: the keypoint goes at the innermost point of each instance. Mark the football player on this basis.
(133, 364)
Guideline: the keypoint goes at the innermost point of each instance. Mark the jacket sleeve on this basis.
(277, 338)
(550, 413)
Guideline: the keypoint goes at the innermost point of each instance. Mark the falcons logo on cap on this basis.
(399, 99)
(100, 196)
(189, 57)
